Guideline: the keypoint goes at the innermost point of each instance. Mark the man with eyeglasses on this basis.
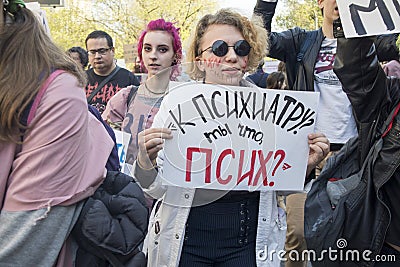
(105, 78)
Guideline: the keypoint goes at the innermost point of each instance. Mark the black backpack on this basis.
(112, 225)
(343, 212)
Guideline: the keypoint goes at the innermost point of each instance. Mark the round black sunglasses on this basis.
(220, 48)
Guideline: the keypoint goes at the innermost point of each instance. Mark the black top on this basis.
(122, 79)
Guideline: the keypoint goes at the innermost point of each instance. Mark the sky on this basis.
(244, 7)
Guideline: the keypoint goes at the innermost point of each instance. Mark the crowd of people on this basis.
(56, 143)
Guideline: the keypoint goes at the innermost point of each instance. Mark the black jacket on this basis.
(373, 96)
(286, 45)
(113, 224)
(363, 79)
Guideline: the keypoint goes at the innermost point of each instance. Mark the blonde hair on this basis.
(27, 58)
(252, 31)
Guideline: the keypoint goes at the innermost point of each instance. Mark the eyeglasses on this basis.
(101, 51)
(220, 48)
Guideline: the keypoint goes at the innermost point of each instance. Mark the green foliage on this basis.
(122, 19)
(304, 14)
(185, 13)
(398, 43)
(68, 25)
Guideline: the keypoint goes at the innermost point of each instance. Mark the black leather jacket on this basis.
(363, 79)
(286, 45)
(373, 96)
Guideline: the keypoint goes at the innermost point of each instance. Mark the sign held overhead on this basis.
(369, 17)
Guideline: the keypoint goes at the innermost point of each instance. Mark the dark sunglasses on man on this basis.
(220, 48)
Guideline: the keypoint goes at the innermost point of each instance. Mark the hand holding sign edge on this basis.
(150, 142)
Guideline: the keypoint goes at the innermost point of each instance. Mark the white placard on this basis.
(127, 169)
(369, 17)
(236, 138)
(122, 139)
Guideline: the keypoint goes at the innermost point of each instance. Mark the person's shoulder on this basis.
(64, 98)
(89, 71)
(289, 35)
(125, 71)
(294, 30)
(126, 90)
(91, 76)
(256, 76)
(121, 97)
(65, 85)
(131, 76)
(299, 31)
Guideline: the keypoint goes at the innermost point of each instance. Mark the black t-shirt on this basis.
(121, 79)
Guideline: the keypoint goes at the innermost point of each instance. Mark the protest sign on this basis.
(130, 53)
(122, 139)
(127, 169)
(236, 138)
(369, 17)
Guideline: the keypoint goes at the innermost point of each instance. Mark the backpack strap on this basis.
(101, 85)
(311, 36)
(389, 121)
(40, 94)
(131, 95)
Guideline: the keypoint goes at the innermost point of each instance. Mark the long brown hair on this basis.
(27, 58)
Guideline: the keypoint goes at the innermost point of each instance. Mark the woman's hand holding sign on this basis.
(151, 141)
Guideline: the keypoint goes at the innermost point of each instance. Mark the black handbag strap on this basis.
(104, 82)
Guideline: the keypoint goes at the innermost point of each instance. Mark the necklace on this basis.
(156, 93)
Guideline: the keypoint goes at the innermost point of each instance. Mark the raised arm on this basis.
(266, 9)
(283, 45)
(364, 81)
